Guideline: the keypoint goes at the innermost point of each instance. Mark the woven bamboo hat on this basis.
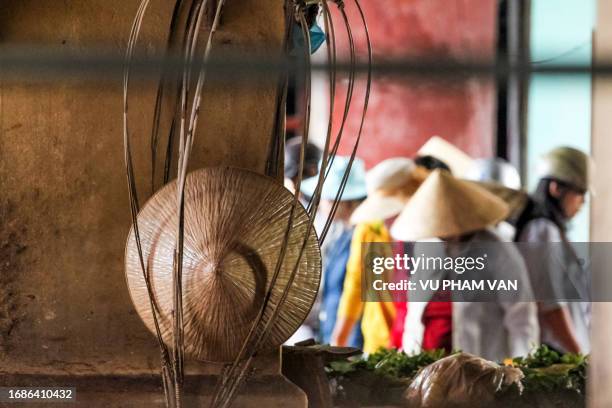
(235, 222)
(458, 161)
(501, 178)
(390, 185)
(445, 206)
(516, 199)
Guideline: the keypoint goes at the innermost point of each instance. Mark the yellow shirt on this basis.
(377, 316)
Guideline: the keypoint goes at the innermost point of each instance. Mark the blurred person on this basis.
(335, 248)
(503, 179)
(390, 184)
(426, 326)
(312, 156)
(457, 161)
(559, 196)
(431, 163)
(460, 214)
(376, 317)
(496, 170)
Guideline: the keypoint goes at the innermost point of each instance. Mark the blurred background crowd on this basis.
(443, 195)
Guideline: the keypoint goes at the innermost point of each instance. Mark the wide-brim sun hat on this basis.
(390, 185)
(459, 162)
(235, 223)
(355, 187)
(445, 207)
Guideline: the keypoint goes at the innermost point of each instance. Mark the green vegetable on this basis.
(548, 370)
(388, 362)
(544, 369)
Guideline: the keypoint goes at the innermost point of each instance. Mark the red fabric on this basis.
(438, 322)
(437, 316)
(397, 330)
(399, 299)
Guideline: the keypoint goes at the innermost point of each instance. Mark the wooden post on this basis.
(513, 45)
(64, 214)
(600, 392)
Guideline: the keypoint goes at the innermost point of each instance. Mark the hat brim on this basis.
(234, 230)
(399, 231)
(328, 192)
(445, 207)
(377, 207)
(516, 199)
(309, 185)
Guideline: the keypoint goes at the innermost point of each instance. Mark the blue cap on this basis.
(355, 185)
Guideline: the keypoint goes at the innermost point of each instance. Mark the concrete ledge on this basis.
(146, 391)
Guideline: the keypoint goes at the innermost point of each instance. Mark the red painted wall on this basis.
(404, 113)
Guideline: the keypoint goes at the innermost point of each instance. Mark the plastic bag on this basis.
(460, 380)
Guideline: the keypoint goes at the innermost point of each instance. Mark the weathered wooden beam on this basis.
(599, 390)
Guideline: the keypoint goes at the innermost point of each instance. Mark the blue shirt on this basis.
(335, 257)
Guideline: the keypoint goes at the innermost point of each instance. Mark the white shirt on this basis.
(554, 285)
(493, 330)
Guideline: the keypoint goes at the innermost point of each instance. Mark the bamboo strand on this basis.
(331, 56)
(352, 48)
(275, 159)
(350, 87)
(227, 378)
(229, 388)
(185, 144)
(157, 113)
(271, 310)
(134, 206)
(366, 103)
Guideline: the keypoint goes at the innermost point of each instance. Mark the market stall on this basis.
(544, 378)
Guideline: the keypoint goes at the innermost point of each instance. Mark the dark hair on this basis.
(551, 205)
(542, 204)
(431, 163)
(312, 155)
(311, 15)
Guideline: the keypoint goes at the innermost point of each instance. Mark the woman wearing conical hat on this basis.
(461, 213)
(564, 181)
(502, 179)
(390, 184)
(433, 328)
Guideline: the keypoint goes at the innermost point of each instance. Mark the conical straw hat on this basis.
(390, 185)
(445, 206)
(516, 199)
(235, 222)
(458, 161)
